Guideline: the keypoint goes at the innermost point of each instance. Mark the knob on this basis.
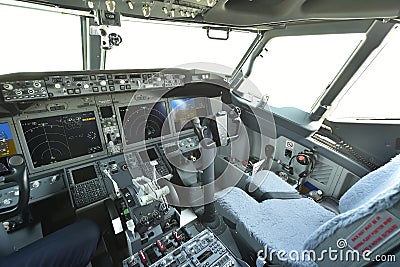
(18, 92)
(35, 184)
(7, 202)
(156, 215)
(54, 179)
(146, 10)
(103, 83)
(86, 86)
(57, 86)
(8, 86)
(144, 221)
(130, 4)
(37, 84)
(90, 4)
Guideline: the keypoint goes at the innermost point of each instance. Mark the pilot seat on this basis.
(302, 224)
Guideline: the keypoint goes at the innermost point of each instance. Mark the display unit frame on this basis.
(143, 143)
(64, 163)
(14, 135)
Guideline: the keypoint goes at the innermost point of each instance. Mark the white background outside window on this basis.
(35, 41)
(297, 69)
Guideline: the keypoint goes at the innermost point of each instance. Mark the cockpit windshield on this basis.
(295, 70)
(38, 40)
(145, 43)
(372, 94)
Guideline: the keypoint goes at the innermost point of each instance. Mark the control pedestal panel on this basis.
(204, 249)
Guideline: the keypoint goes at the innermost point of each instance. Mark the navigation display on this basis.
(7, 146)
(58, 138)
(185, 109)
(144, 122)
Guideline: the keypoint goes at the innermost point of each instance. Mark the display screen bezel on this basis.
(142, 143)
(64, 163)
(13, 133)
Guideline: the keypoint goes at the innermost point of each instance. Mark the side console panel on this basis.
(326, 176)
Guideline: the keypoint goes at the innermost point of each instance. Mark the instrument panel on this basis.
(72, 121)
(56, 86)
(53, 139)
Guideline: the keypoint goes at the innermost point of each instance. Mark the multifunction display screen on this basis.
(183, 110)
(59, 138)
(144, 122)
(7, 146)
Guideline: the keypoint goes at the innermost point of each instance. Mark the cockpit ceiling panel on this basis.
(239, 13)
(264, 12)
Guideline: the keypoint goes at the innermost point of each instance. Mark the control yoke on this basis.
(198, 128)
(18, 175)
(220, 131)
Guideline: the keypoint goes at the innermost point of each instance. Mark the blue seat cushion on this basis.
(276, 223)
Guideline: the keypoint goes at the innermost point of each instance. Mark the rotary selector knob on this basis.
(37, 84)
(8, 86)
(35, 184)
(103, 83)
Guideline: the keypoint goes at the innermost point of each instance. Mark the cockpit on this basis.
(199, 133)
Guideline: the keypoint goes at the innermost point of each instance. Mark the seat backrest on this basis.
(371, 185)
(379, 191)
